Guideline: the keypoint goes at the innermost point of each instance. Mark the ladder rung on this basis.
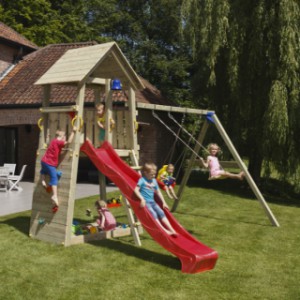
(136, 167)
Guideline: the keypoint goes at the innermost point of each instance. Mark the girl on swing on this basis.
(215, 169)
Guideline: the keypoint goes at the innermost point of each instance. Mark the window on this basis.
(8, 145)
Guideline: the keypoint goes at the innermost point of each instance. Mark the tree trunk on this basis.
(255, 165)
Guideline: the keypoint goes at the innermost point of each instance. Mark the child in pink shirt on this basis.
(215, 169)
(106, 220)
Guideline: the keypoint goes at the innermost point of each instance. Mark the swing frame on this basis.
(211, 117)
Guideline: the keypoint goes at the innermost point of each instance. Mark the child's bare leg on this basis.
(239, 176)
(44, 184)
(168, 193)
(163, 228)
(242, 175)
(173, 192)
(166, 222)
(54, 196)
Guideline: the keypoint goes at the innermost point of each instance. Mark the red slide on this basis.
(194, 256)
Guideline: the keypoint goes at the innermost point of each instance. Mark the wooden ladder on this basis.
(133, 224)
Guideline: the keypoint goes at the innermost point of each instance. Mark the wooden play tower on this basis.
(85, 68)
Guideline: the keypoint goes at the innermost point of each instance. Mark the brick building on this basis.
(13, 47)
(21, 64)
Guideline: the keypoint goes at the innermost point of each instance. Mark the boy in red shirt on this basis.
(50, 161)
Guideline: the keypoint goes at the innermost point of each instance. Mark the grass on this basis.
(256, 260)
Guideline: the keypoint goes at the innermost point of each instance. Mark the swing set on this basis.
(211, 118)
(95, 67)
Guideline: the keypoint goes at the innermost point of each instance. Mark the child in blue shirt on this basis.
(145, 189)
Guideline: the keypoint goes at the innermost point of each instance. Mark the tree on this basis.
(47, 22)
(247, 66)
(148, 33)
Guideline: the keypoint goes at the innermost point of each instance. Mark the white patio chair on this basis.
(11, 167)
(15, 179)
(4, 172)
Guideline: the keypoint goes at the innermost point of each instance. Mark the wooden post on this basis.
(45, 130)
(97, 95)
(108, 117)
(129, 212)
(74, 163)
(190, 165)
(134, 159)
(242, 166)
(108, 134)
(132, 223)
(102, 186)
(132, 129)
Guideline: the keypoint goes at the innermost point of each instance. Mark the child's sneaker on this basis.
(48, 188)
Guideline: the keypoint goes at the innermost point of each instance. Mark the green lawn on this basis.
(256, 260)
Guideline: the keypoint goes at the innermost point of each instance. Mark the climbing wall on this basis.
(46, 225)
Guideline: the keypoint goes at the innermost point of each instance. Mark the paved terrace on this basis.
(18, 201)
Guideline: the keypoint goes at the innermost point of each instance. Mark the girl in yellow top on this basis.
(166, 181)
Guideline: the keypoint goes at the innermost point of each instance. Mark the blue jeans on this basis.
(155, 210)
(52, 172)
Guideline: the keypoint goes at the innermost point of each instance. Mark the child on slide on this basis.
(145, 189)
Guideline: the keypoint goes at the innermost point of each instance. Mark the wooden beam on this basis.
(242, 166)
(102, 235)
(44, 130)
(108, 117)
(98, 81)
(190, 165)
(102, 186)
(59, 109)
(132, 123)
(123, 152)
(130, 216)
(175, 109)
(74, 163)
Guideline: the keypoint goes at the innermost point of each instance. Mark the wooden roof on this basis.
(104, 61)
